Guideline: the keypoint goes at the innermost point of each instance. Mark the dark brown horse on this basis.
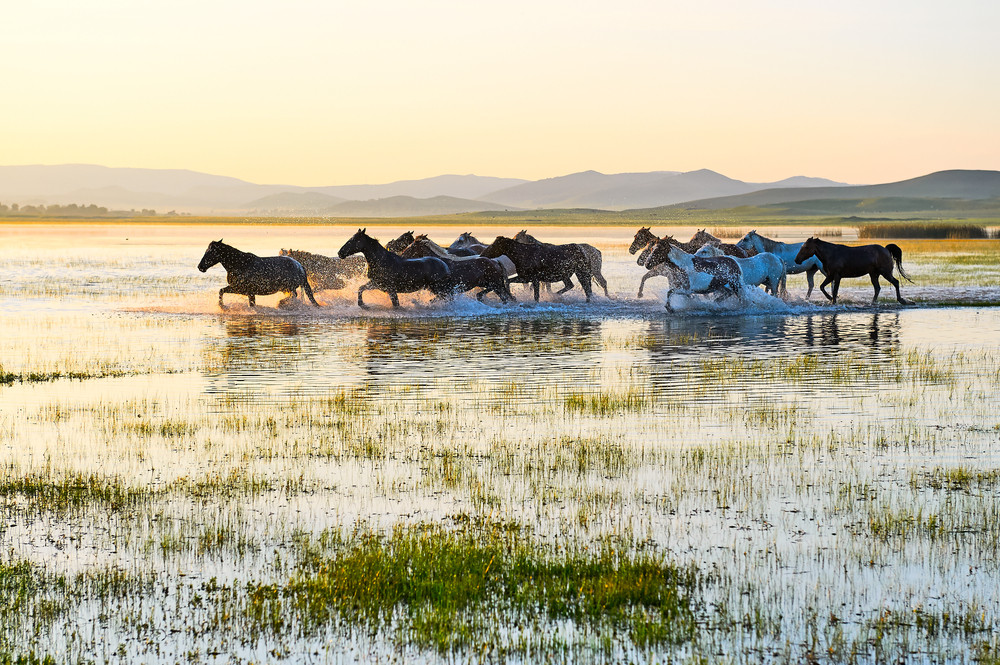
(467, 272)
(841, 261)
(537, 263)
(399, 244)
(390, 273)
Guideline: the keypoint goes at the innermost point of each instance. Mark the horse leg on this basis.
(534, 286)
(809, 280)
(642, 281)
(362, 289)
(895, 282)
(585, 283)
(394, 298)
(822, 287)
(875, 284)
(568, 285)
(224, 289)
(253, 300)
(836, 290)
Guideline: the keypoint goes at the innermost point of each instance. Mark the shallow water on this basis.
(766, 442)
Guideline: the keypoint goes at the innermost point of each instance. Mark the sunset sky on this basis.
(321, 92)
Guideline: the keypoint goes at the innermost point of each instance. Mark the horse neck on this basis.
(230, 257)
(373, 251)
(435, 248)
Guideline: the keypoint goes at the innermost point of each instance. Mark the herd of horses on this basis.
(409, 263)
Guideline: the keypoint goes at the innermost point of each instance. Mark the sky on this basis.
(336, 92)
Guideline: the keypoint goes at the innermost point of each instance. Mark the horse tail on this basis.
(897, 255)
(309, 291)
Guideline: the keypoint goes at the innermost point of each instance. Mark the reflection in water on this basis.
(877, 329)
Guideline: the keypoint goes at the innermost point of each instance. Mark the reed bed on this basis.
(950, 231)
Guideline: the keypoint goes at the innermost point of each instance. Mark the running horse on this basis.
(468, 272)
(785, 251)
(544, 263)
(251, 275)
(841, 261)
(393, 274)
(592, 253)
(720, 274)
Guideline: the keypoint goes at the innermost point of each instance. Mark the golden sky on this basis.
(328, 92)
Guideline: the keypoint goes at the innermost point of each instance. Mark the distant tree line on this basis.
(70, 210)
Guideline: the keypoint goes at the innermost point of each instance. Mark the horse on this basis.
(592, 253)
(704, 275)
(662, 269)
(399, 244)
(508, 266)
(327, 272)
(393, 274)
(468, 272)
(703, 237)
(764, 268)
(841, 261)
(251, 275)
(786, 251)
(537, 263)
(466, 242)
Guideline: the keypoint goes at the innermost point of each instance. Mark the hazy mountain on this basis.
(294, 203)
(621, 191)
(408, 206)
(458, 186)
(957, 184)
(190, 191)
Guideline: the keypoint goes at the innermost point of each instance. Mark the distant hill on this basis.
(457, 186)
(294, 203)
(202, 193)
(955, 184)
(621, 191)
(408, 206)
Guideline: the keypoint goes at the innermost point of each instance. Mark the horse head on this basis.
(212, 255)
(356, 243)
(642, 238)
(807, 250)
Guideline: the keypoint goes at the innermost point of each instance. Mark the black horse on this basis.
(251, 275)
(399, 244)
(467, 272)
(393, 274)
(544, 263)
(841, 261)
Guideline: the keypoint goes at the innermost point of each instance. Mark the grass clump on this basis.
(480, 585)
(608, 403)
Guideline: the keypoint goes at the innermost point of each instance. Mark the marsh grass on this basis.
(454, 589)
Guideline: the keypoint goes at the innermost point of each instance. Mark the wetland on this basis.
(470, 482)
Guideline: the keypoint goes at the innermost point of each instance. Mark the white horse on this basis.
(785, 251)
(764, 268)
(691, 274)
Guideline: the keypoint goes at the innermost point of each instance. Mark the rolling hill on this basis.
(622, 191)
(951, 185)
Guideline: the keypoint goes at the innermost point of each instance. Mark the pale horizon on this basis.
(313, 94)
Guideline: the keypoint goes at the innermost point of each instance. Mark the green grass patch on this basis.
(455, 590)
